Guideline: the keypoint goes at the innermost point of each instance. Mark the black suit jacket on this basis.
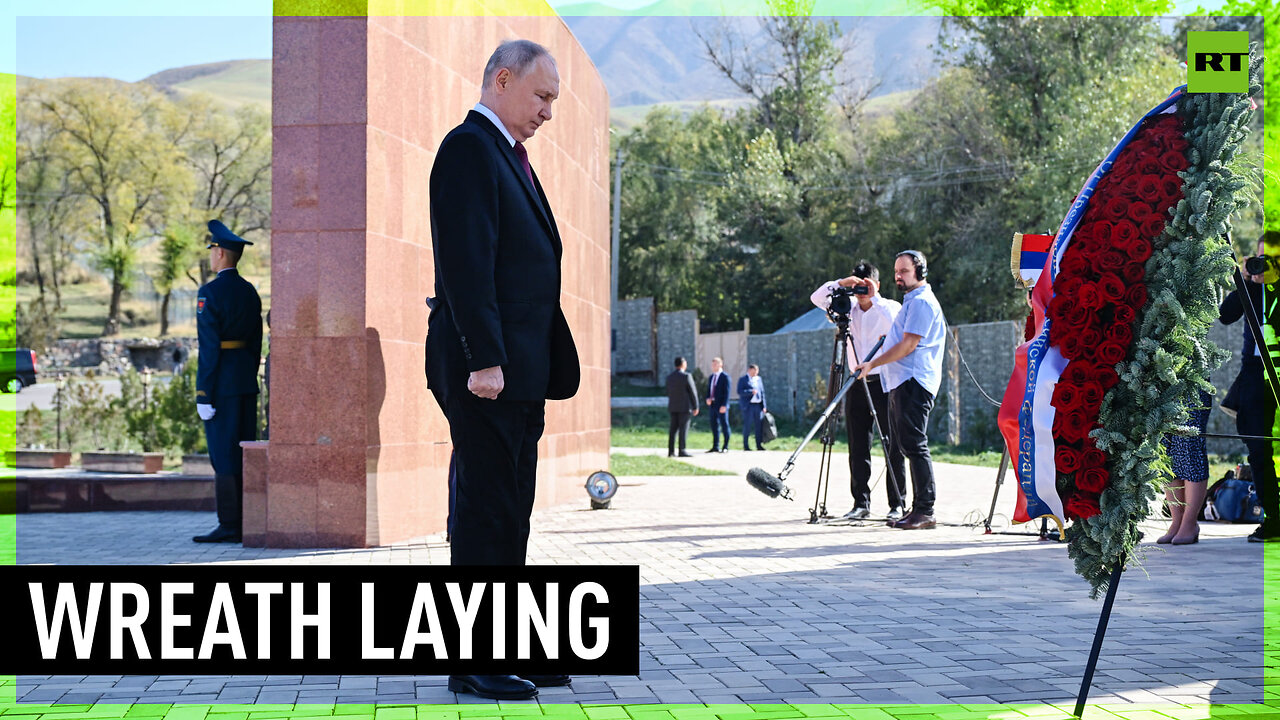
(497, 276)
(682, 396)
(718, 393)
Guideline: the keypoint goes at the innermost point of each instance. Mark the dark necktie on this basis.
(524, 160)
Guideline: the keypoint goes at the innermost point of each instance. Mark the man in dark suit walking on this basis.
(229, 327)
(498, 346)
(682, 404)
(718, 404)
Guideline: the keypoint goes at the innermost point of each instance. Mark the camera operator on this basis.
(870, 316)
(1248, 395)
(912, 375)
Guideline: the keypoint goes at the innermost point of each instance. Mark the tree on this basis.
(230, 155)
(121, 145)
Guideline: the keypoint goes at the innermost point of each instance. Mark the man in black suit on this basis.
(498, 345)
(682, 404)
(718, 402)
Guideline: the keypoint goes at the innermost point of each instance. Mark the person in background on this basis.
(682, 405)
(751, 404)
(870, 318)
(718, 405)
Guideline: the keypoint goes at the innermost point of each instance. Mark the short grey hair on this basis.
(515, 55)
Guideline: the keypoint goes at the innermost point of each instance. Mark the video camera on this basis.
(842, 298)
(1259, 265)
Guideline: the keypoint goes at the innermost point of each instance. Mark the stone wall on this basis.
(677, 335)
(114, 355)
(634, 326)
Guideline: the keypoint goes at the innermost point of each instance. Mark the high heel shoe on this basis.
(1194, 539)
(1164, 539)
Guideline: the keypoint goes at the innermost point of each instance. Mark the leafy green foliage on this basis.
(161, 416)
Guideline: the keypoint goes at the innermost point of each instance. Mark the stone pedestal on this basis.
(359, 450)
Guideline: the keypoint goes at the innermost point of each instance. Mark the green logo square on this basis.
(1217, 61)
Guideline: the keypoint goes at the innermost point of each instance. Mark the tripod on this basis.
(835, 380)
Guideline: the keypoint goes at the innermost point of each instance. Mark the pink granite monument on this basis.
(359, 451)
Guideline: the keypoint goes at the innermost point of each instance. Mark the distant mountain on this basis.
(235, 82)
(645, 60)
(652, 60)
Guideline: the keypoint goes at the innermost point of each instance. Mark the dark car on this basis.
(17, 369)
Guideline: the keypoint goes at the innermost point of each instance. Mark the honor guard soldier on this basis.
(229, 324)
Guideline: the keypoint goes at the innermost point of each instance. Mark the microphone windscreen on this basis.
(768, 484)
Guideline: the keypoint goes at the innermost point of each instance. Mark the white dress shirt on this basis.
(865, 326)
(493, 118)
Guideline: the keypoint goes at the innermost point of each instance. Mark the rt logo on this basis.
(1217, 61)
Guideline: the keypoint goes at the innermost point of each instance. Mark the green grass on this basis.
(624, 465)
(622, 387)
(647, 428)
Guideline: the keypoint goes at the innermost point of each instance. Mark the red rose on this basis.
(1073, 263)
(1064, 396)
(1117, 208)
(1149, 164)
(1089, 339)
(1151, 228)
(1122, 334)
(1149, 187)
(1080, 317)
(1123, 315)
(1088, 296)
(1092, 457)
(1107, 377)
(1136, 296)
(1111, 287)
(1092, 479)
(1068, 286)
(1059, 306)
(1068, 343)
(1129, 185)
(1066, 459)
(1075, 426)
(1080, 507)
(1122, 231)
(1112, 261)
(1173, 161)
(1077, 373)
(1170, 191)
(1133, 273)
(1140, 249)
(1091, 394)
(1140, 211)
(1179, 145)
(1110, 352)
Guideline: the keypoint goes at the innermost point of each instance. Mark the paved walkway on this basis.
(743, 601)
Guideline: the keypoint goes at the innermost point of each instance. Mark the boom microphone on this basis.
(770, 485)
(773, 485)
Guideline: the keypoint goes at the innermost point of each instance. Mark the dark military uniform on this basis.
(229, 325)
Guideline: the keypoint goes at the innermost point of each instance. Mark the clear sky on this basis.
(146, 36)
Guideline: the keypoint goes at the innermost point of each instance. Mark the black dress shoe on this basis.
(917, 521)
(714, 450)
(685, 454)
(493, 687)
(220, 534)
(549, 680)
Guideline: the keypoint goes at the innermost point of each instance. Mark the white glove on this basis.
(206, 411)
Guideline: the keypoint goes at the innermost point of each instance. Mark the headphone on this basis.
(917, 259)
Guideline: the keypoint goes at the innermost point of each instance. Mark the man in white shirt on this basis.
(912, 360)
(870, 317)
